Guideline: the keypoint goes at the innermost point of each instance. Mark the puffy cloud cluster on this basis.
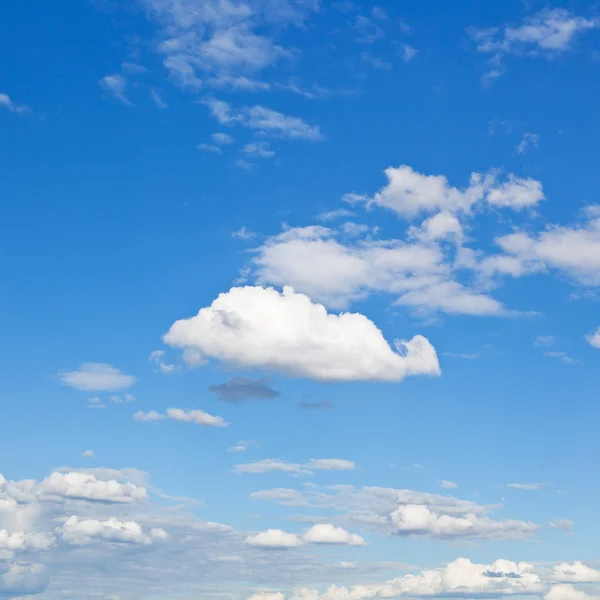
(409, 193)
(323, 533)
(287, 332)
(406, 512)
(85, 531)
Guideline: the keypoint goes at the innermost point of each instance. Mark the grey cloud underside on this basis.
(239, 389)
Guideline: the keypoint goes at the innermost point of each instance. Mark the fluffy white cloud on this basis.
(97, 377)
(84, 531)
(198, 417)
(329, 534)
(323, 533)
(286, 332)
(565, 592)
(269, 465)
(575, 572)
(409, 193)
(19, 579)
(421, 520)
(86, 486)
(19, 541)
(275, 539)
(573, 250)
(594, 338)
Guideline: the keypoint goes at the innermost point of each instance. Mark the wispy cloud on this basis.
(7, 103)
(115, 86)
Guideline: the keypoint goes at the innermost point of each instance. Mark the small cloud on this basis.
(530, 140)
(115, 86)
(544, 340)
(376, 62)
(89, 454)
(528, 487)
(130, 67)
(7, 103)
(408, 52)
(323, 405)
(593, 338)
(243, 446)
(122, 399)
(241, 163)
(238, 389)
(222, 139)
(562, 356)
(259, 150)
(97, 377)
(243, 234)
(198, 417)
(156, 358)
(448, 485)
(210, 148)
(339, 213)
(563, 524)
(160, 103)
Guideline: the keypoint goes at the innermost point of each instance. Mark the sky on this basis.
(300, 300)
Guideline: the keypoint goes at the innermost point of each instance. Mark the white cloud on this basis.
(575, 572)
(409, 193)
(85, 531)
(449, 485)
(157, 359)
(283, 496)
(198, 417)
(210, 148)
(89, 454)
(115, 85)
(565, 592)
(329, 534)
(421, 520)
(274, 539)
(318, 534)
(86, 486)
(529, 140)
(242, 446)
(20, 579)
(565, 525)
(458, 579)
(531, 487)
(97, 377)
(7, 103)
(286, 332)
(269, 465)
(258, 150)
(264, 120)
(593, 338)
(18, 541)
(562, 356)
(223, 139)
(408, 52)
(547, 33)
(158, 100)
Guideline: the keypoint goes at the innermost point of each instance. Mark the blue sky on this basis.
(300, 300)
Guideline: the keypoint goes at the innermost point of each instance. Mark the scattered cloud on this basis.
(97, 377)
(264, 121)
(544, 340)
(243, 234)
(375, 62)
(563, 524)
(285, 332)
(258, 150)
(243, 446)
(115, 86)
(562, 356)
(318, 534)
(461, 355)
(530, 140)
(157, 358)
(547, 33)
(408, 52)
(575, 572)
(210, 148)
(7, 103)
(238, 389)
(530, 487)
(89, 454)
(158, 100)
(270, 465)
(198, 417)
(593, 338)
(448, 485)
(222, 139)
